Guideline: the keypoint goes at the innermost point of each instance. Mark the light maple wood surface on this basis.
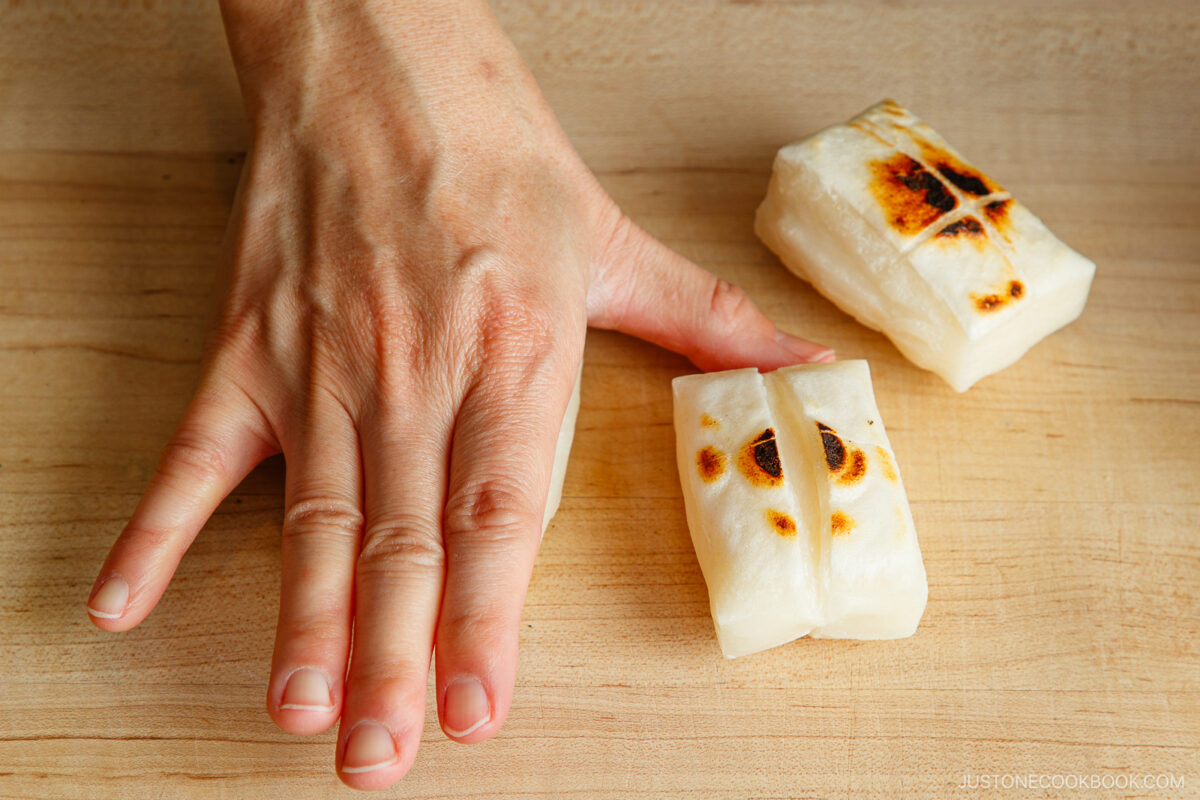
(1057, 503)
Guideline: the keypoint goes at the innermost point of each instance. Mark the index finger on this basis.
(220, 439)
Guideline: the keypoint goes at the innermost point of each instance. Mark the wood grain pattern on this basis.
(1057, 502)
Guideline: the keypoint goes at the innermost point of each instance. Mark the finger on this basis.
(648, 290)
(500, 469)
(398, 585)
(220, 439)
(321, 529)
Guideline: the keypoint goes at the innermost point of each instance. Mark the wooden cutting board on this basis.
(1057, 502)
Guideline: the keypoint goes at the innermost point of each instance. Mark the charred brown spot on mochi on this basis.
(835, 451)
(711, 463)
(997, 213)
(759, 460)
(966, 228)
(849, 464)
(841, 523)
(885, 462)
(854, 469)
(985, 303)
(911, 196)
(964, 178)
(783, 524)
(709, 422)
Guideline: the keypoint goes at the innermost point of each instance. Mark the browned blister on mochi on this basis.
(848, 464)
(759, 460)
(711, 463)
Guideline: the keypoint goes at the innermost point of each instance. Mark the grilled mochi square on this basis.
(795, 506)
(893, 225)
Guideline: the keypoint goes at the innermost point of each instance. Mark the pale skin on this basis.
(412, 260)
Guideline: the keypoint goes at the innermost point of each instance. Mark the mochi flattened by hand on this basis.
(562, 453)
(795, 506)
(893, 225)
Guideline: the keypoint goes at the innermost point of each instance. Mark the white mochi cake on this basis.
(796, 507)
(889, 221)
(562, 453)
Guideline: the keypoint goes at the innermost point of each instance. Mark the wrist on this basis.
(304, 48)
(261, 29)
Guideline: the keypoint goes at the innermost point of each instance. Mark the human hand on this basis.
(414, 254)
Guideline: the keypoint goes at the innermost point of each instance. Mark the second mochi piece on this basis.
(796, 507)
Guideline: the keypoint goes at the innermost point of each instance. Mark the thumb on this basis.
(644, 288)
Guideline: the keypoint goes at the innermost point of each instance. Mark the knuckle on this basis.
(515, 315)
(401, 545)
(320, 629)
(146, 539)
(526, 348)
(487, 629)
(398, 327)
(323, 516)
(401, 346)
(493, 510)
(189, 455)
(515, 327)
(729, 304)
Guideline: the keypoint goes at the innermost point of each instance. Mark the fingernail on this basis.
(370, 747)
(108, 602)
(809, 351)
(306, 690)
(467, 707)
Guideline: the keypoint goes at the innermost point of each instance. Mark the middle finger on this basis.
(398, 587)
